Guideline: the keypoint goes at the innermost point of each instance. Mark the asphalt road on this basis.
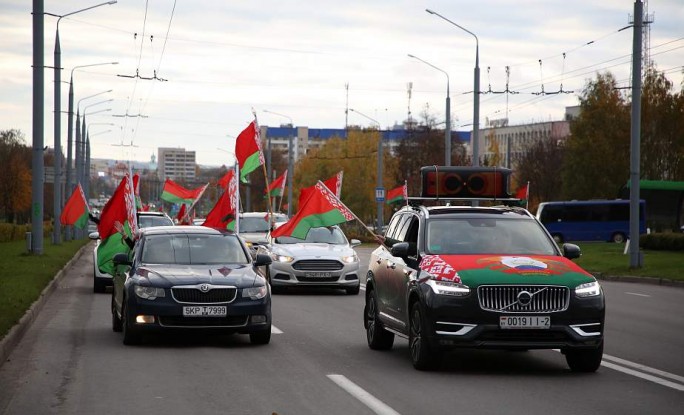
(70, 362)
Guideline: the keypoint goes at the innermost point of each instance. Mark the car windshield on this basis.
(193, 249)
(258, 224)
(330, 235)
(507, 236)
(151, 221)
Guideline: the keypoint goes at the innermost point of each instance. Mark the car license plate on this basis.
(205, 311)
(318, 274)
(525, 322)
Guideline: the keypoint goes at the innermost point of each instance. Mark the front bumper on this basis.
(243, 316)
(284, 275)
(460, 322)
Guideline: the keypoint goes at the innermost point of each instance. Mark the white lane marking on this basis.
(366, 398)
(637, 294)
(644, 368)
(651, 378)
(275, 330)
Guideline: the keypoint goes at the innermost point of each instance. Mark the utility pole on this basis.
(635, 256)
(38, 173)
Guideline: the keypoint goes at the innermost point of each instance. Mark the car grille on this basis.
(542, 299)
(318, 265)
(230, 321)
(194, 295)
(317, 279)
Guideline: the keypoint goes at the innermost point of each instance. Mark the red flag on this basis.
(175, 193)
(321, 208)
(334, 184)
(248, 150)
(181, 214)
(278, 186)
(223, 181)
(397, 194)
(223, 213)
(523, 192)
(136, 191)
(75, 211)
(120, 208)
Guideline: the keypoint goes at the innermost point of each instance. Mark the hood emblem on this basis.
(204, 288)
(524, 298)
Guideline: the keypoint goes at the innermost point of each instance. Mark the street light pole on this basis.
(57, 187)
(476, 91)
(290, 163)
(447, 132)
(70, 133)
(37, 162)
(379, 173)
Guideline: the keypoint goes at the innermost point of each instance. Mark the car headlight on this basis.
(149, 293)
(455, 289)
(255, 293)
(283, 258)
(350, 259)
(590, 289)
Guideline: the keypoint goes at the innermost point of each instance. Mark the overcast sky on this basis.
(221, 59)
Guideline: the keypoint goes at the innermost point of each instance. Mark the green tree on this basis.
(597, 152)
(537, 161)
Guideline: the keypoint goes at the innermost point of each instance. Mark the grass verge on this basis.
(23, 276)
(608, 258)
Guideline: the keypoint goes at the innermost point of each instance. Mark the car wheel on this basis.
(584, 360)
(422, 354)
(261, 337)
(378, 338)
(558, 238)
(116, 320)
(130, 336)
(618, 238)
(353, 290)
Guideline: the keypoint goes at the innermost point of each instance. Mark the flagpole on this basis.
(527, 196)
(406, 192)
(237, 190)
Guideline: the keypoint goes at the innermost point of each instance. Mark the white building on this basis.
(176, 164)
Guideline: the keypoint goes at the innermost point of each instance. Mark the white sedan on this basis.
(324, 259)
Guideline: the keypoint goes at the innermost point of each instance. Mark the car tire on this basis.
(378, 338)
(584, 360)
(117, 324)
(423, 355)
(618, 238)
(261, 337)
(130, 336)
(353, 290)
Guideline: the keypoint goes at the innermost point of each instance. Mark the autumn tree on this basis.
(538, 165)
(662, 129)
(15, 186)
(596, 160)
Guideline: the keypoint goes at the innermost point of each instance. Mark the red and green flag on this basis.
(523, 194)
(175, 193)
(136, 187)
(334, 184)
(397, 194)
(223, 181)
(277, 187)
(321, 208)
(117, 221)
(223, 214)
(76, 210)
(248, 150)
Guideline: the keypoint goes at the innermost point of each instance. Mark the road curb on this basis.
(16, 333)
(643, 280)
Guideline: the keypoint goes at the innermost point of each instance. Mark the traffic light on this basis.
(465, 182)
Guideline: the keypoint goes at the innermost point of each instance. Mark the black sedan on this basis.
(190, 278)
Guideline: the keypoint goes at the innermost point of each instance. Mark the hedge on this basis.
(13, 232)
(668, 241)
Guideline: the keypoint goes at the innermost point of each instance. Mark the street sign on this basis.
(379, 194)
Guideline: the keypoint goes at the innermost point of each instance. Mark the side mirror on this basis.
(354, 242)
(262, 259)
(121, 259)
(94, 235)
(571, 251)
(400, 249)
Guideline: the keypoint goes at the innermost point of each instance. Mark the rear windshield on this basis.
(193, 249)
(150, 221)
